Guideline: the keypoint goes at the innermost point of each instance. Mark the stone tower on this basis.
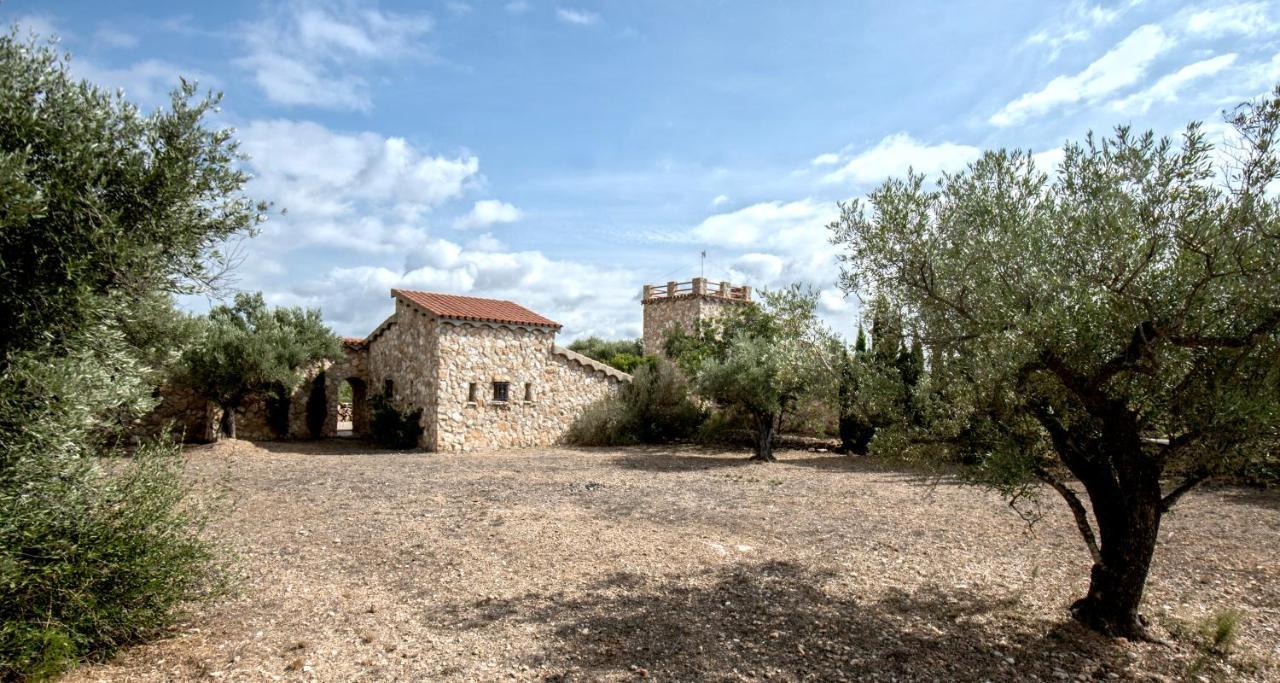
(683, 303)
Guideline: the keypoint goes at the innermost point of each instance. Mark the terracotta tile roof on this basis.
(474, 308)
(356, 342)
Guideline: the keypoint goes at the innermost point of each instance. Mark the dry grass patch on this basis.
(680, 564)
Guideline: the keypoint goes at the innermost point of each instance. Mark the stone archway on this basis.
(347, 376)
(353, 408)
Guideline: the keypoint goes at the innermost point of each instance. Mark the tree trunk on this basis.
(229, 422)
(764, 439)
(1116, 584)
(1124, 489)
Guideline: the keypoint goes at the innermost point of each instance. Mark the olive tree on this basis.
(1120, 322)
(105, 213)
(761, 359)
(248, 349)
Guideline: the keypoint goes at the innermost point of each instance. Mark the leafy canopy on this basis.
(761, 359)
(248, 348)
(100, 199)
(1133, 279)
(623, 354)
(1121, 320)
(104, 214)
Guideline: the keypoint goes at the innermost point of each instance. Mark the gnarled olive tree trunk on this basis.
(766, 426)
(1122, 480)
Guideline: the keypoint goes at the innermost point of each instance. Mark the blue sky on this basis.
(562, 154)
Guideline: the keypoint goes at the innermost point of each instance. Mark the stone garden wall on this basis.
(180, 415)
(547, 389)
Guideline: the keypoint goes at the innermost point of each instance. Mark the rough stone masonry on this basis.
(486, 373)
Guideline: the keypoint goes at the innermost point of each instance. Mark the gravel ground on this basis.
(682, 564)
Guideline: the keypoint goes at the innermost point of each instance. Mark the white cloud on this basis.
(1122, 66)
(585, 299)
(828, 159)
(40, 25)
(751, 225)
(774, 244)
(146, 83)
(760, 267)
(304, 54)
(487, 212)
(1167, 88)
(894, 154)
(720, 200)
(363, 191)
(1075, 25)
(1246, 19)
(1262, 75)
(1048, 160)
(576, 16)
(486, 242)
(114, 37)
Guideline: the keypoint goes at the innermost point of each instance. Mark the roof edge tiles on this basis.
(457, 307)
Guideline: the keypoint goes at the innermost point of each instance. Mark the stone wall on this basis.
(404, 350)
(547, 388)
(431, 364)
(662, 315)
(354, 366)
(180, 414)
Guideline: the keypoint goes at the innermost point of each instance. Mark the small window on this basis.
(528, 391)
(501, 391)
(473, 392)
(388, 388)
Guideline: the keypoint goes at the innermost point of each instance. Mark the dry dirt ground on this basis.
(682, 564)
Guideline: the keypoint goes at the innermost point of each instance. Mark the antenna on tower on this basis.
(703, 270)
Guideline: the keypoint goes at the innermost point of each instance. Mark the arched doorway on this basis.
(353, 409)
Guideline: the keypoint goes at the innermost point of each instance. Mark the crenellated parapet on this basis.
(682, 304)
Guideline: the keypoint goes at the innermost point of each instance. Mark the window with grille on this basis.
(501, 391)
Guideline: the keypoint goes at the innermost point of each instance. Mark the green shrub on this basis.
(628, 362)
(603, 423)
(393, 428)
(655, 407)
(95, 555)
(725, 426)
(606, 351)
(95, 552)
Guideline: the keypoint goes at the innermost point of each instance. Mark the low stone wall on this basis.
(180, 415)
(560, 385)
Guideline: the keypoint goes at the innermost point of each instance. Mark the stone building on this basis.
(486, 373)
(682, 304)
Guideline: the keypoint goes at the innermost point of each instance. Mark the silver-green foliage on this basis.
(104, 214)
(1120, 319)
(654, 407)
(247, 349)
(762, 359)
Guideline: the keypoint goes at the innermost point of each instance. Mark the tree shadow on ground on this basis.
(346, 446)
(1255, 497)
(651, 459)
(777, 620)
